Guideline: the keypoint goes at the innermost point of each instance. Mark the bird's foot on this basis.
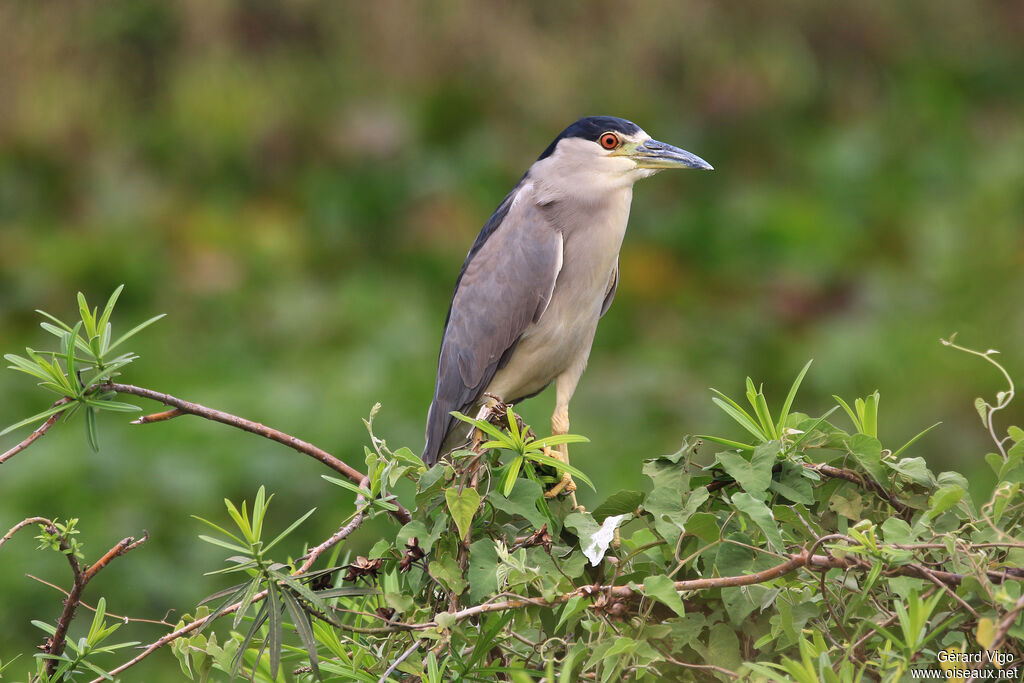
(566, 485)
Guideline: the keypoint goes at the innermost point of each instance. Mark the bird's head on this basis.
(599, 153)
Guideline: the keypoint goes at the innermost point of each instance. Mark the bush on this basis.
(806, 552)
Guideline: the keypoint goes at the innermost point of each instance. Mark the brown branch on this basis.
(39, 431)
(24, 523)
(341, 534)
(158, 417)
(911, 570)
(699, 667)
(401, 514)
(904, 510)
(55, 644)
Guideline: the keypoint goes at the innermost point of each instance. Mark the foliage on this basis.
(77, 378)
(812, 554)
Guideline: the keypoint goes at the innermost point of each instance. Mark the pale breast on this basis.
(563, 335)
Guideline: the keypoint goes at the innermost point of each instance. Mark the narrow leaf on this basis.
(302, 626)
(788, 403)
(135, 330)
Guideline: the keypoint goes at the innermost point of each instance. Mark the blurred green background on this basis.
(296, 184)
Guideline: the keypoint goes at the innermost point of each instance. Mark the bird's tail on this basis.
(444, 433)
(437, 426)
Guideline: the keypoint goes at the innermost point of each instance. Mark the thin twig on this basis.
(699, 667)
(913, 570)
(254, 428)
(22, 524)
(401, 658)
(158, 417)
(55, 644)
(83, 603)
(39, 431)
(930, 575)
(904, 510)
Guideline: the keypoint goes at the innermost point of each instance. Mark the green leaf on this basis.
(704, 526)
(561, 467)
(663, 589)
(761, 515)
(850, 412)
(224, 544)
(558, 440)
(908, 444)
(943, 499)
(723, 647)
(509, 476)
(916, 470)
(572, 607)
(36, 418)
(28, 367)
(788, 403)
(483, 570)
(895, 530)
(302, 626)
(792, 484)
(274, 629)
(867, 451)
(483, 426)
(447, 571)
(109, 308)
(346, 484)
(619, 503)
(847, 502)
(135, 330)
(764, 415)
(870, 414)
(726, 442)
(463, 506)
(733, 410)
(523, 502)
(755, 474)
(88, 316)
(90, 429)
(113, 406)
(291, 528)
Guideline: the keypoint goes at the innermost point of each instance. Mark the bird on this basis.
(539, 277)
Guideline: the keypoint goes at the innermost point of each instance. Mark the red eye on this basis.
(609, 140)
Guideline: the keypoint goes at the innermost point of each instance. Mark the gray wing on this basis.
(610, 294)
(505, 286)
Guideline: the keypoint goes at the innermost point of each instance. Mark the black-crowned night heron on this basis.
(540, 275)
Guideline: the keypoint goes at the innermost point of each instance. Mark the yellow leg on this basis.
(560, 425)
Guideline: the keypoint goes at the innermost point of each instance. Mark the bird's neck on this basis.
(602, 213)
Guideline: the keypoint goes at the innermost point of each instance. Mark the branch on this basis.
(401, 514)
(40, 430)
(55, 644)
(905, 511)
(911, 570)
(22, 524)
(119, 617)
